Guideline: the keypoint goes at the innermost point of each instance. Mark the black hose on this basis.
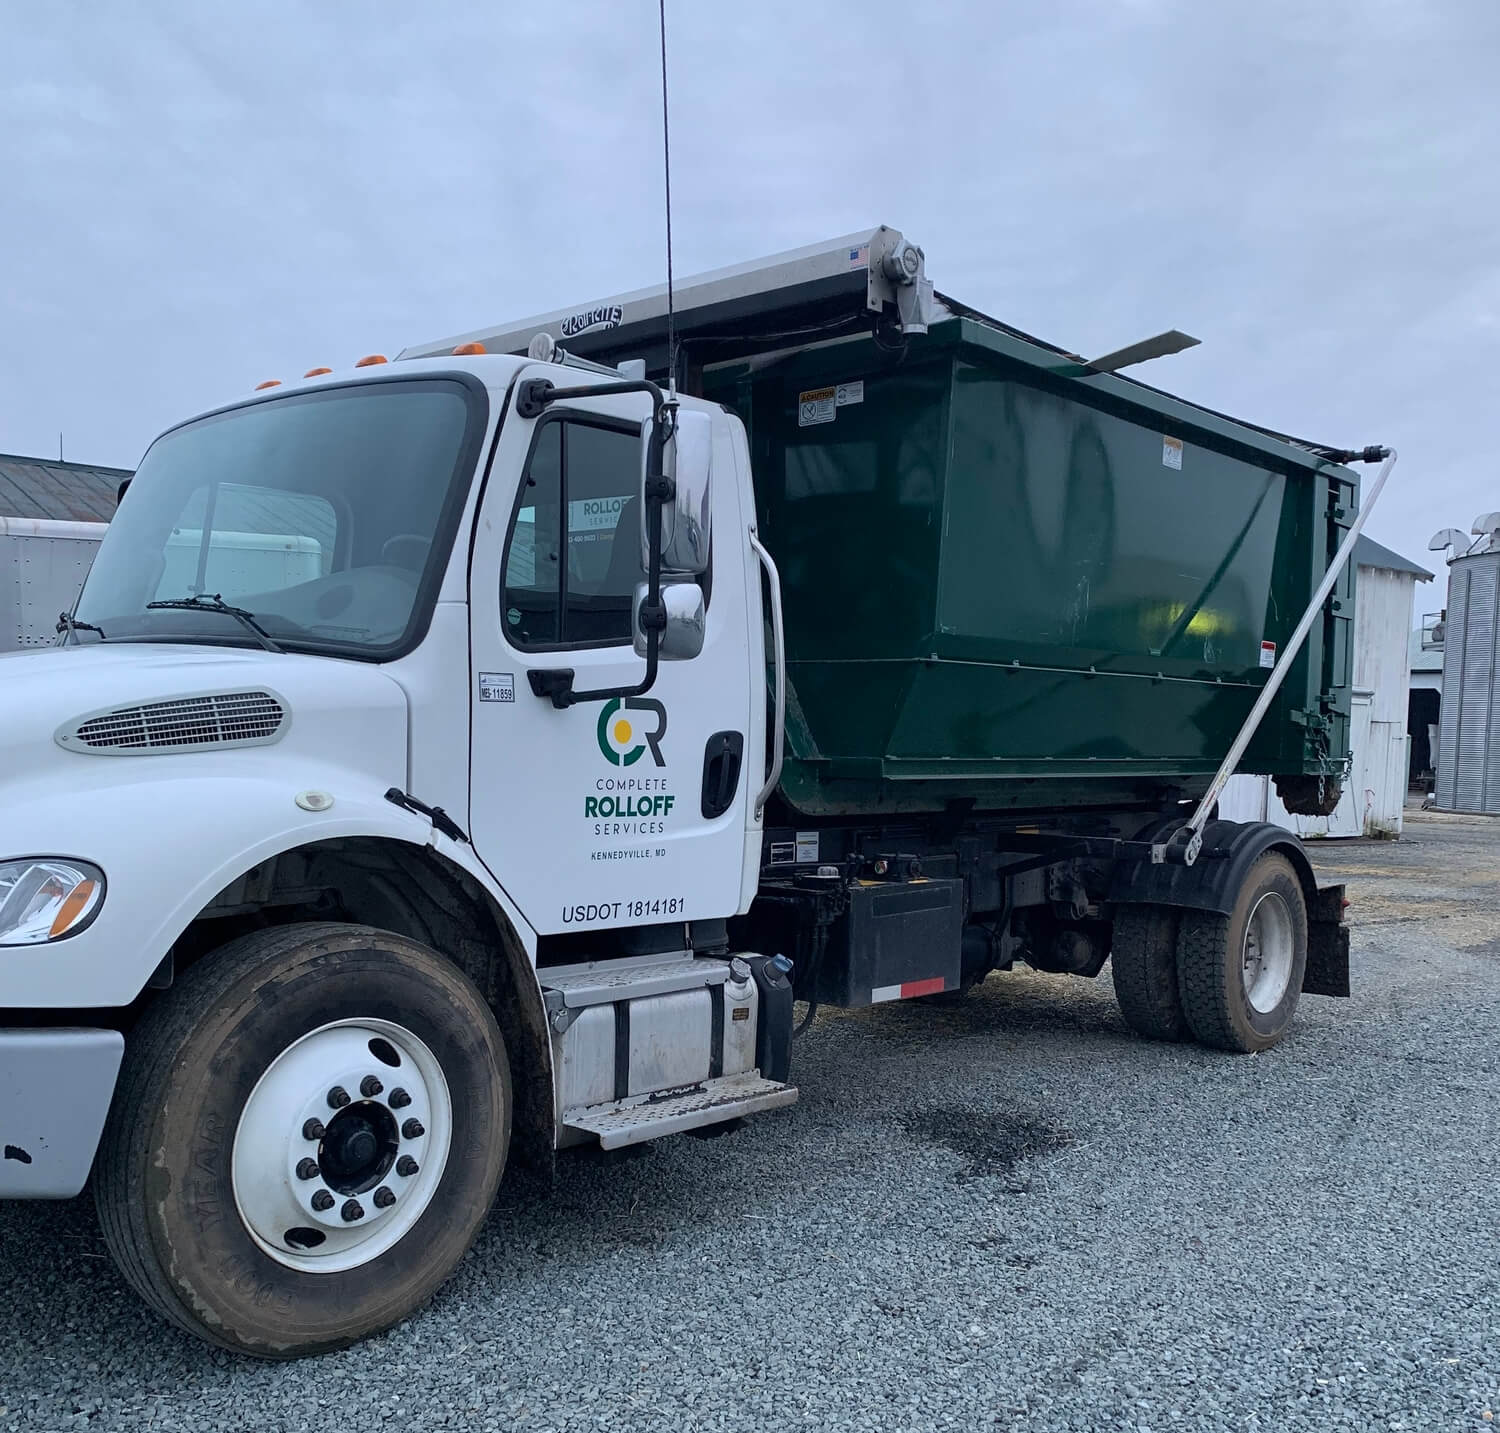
(814, 965)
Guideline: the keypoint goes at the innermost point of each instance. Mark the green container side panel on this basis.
(1009, 584)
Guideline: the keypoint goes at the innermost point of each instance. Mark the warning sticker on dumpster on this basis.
(1268, 654)
(1171, 453)
(817, 405)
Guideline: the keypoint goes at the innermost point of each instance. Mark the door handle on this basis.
(721, 772)
(778, 637)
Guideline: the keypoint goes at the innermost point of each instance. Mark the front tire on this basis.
(1240, 974)
(307, 1134)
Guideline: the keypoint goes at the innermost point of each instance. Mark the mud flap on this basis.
(1327, 970)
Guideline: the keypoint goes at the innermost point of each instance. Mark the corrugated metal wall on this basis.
(1468, 774)
(1382, 641)
(1375, 794)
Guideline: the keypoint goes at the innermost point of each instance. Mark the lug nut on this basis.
(338, 1097)
(406, 1166)
(351, 1211)
(370, 1086)
(412, 1129)
(399, 1098)
(384, 1198)
(307, 1169)
(322, 1201)
(313, 1129)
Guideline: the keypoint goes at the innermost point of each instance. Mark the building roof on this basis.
(1369, 553)
(49, 488)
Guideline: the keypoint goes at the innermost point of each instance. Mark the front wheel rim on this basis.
(341, 1145)
(1266, 960)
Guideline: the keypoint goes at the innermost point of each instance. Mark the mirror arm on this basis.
(532, 399)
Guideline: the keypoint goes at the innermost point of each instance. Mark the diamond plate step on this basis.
(604, 981)
(636, 1120)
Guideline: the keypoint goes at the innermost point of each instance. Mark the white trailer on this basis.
(42, 567)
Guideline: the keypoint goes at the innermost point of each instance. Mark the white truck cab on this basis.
(337, 760)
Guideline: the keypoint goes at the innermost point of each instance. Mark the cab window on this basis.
(573, 556)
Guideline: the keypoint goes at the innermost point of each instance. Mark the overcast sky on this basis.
(196, 197)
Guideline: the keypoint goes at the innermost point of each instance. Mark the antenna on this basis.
(666, 155)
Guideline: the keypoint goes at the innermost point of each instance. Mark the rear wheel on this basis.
(1143, 958)
(1240, 974)
(306, 1137)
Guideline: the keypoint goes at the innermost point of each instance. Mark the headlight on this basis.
(45, 898)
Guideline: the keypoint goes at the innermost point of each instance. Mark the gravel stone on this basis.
(1007, 1214)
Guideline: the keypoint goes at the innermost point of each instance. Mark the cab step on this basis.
(644, 1117)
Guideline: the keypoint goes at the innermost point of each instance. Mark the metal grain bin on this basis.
(1468, 772)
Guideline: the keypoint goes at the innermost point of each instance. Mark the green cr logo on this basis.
(623, 740)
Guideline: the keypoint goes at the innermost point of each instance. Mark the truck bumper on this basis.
(55, 1089)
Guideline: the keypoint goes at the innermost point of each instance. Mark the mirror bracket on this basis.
(555, 683)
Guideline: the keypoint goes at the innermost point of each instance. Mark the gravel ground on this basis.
(1010, 1214)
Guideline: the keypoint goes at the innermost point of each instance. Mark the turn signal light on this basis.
(314, 372)
(72, 908)
(370, 359)
(467, 348)
(269, 383)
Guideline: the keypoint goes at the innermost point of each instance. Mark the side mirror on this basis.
(682, 637)
(685, 521)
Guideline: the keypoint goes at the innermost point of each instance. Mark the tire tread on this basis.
(1201, 940)
(1143, 961)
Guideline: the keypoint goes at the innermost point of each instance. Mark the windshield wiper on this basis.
(67, 622)
(203, 602)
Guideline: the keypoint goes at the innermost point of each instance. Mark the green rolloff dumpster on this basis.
(1012, 579)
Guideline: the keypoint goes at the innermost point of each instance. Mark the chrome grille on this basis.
(190, 723)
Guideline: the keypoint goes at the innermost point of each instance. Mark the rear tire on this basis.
(210, 1144)
(1240, 974)
(1143, 958)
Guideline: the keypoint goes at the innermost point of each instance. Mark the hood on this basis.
(349, 713)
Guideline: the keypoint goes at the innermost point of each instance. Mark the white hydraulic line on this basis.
(1278, 673)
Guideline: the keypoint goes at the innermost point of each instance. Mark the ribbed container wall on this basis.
(1468, 777)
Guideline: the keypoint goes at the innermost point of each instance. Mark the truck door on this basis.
(624, 812)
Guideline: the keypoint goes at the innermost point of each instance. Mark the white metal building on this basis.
(1375, 794)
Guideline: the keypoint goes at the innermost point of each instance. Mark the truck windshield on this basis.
(326, 517)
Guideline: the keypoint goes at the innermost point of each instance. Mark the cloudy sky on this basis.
(194, 197)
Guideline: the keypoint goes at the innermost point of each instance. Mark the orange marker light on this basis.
(72, 908)
(467, 348)
(269, 383)
(314, 372)
(370, 359)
